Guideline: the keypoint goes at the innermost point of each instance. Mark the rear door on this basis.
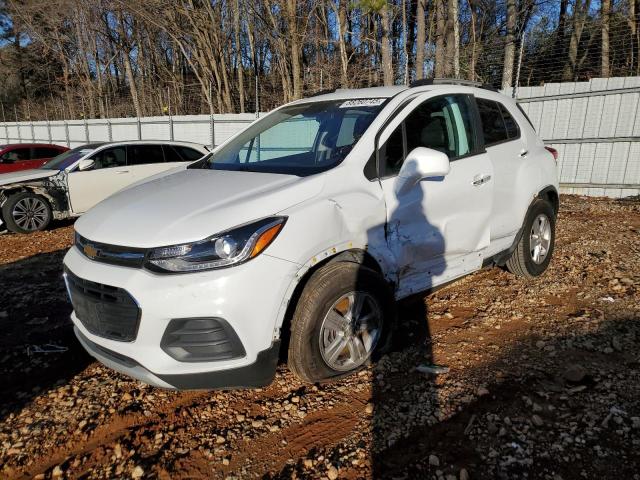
(438, 228)
(109, 174)
(146, 160)
(508, 153)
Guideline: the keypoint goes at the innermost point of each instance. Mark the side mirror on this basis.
(86, 164)
(422, 163)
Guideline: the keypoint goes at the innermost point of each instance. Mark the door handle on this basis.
(524, 153)
(480, 180)
(120, 172)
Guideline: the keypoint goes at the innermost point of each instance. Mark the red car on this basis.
(24, 156)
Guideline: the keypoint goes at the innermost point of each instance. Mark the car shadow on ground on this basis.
(528, 423)
(38, 349)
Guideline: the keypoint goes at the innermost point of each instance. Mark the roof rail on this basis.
(450, 81)
(322, 92)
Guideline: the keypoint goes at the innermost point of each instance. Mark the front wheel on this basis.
(26, 212)
(339, 322)
(535, 248)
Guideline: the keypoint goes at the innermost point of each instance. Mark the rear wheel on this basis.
(26, 212)
(535, 248)
(340, 321)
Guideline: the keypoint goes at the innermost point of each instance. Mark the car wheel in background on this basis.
(535, 248)
(339, 322)
(26, 212)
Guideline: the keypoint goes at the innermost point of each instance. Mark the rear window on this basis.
(189, 154)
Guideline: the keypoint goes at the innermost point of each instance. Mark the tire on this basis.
(26, 212)
(327, 296)
(535, 247)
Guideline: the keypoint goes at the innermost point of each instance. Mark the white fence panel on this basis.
(595, 126)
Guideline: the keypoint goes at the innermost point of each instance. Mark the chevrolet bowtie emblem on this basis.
(90, 251)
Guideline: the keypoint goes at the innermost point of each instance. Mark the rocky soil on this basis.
(542, 380)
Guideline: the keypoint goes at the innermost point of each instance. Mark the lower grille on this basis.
(106, 311)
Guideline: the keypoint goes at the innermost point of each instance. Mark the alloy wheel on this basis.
(350, 331)
(30, 214)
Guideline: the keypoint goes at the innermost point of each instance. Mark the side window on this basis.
(144, 154)
(44, 152)
(9, 157)
(189, 154)
(171, 154)
(17, 155)
(512, 126)
(392, 152)
(109, 158)
(443, 124)
(493, 125)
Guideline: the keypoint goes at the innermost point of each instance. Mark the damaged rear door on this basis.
(437, 228)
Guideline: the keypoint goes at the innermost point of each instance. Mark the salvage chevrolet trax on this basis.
(300, 232)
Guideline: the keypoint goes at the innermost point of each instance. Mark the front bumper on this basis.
(251, 297)
(258, 374)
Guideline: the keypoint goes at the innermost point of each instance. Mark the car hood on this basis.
(192, 205)
(25, 176)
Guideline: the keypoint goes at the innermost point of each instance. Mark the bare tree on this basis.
(510, 45)
(605, 9)
(420, 38)
(580, 12)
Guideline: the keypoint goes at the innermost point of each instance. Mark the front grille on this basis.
(106, 311)
(112, 254)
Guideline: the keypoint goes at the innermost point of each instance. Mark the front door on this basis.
(109, 174)
(438, 228)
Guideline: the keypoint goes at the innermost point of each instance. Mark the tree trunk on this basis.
(341, 18)
(405, 32)
(296, 68)
(605, 8)
(473, 59)
(509, 46)
(453, 12)
(238, 51)
(420, 39)
(560, 43)
(387, 62)
(128, 69)
(579, 18)
(440, 69)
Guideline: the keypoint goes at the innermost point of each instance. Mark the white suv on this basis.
(307, 226)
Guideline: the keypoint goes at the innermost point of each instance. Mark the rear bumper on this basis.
(258, 374)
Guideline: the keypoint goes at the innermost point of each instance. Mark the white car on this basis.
(304, 228)
(74, 181)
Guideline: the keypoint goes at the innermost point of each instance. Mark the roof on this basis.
(391, 91)
(153, 142)
(31, 145)
(343, 93)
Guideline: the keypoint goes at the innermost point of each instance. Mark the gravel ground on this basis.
(543, 382)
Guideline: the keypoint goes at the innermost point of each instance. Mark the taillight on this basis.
(553, 152)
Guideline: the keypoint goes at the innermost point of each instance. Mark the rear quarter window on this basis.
(498, 125)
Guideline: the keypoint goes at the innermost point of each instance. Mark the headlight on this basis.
(222, 250)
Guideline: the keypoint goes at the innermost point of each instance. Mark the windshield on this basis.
(69, 157)
(299, 139)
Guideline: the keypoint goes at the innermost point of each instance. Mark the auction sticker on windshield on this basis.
(363, 102)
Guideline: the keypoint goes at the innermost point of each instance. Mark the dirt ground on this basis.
(543, 382)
